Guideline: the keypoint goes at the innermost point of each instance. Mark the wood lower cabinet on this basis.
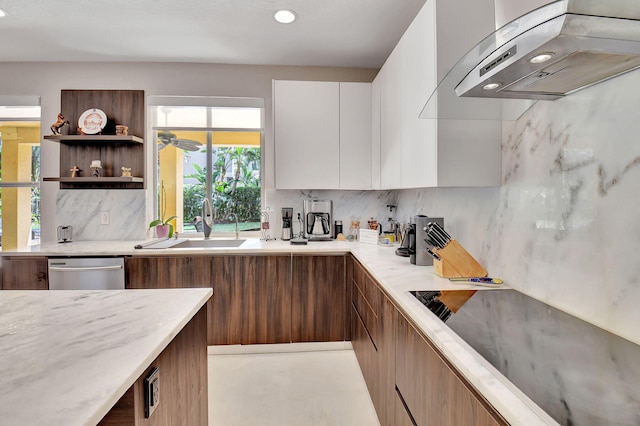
(25, 273)
(432, 392)
(318, 299)
(409, 382)
(266, 309)
(183, 383)
(373, 340)
(367, 356)
(251, 300)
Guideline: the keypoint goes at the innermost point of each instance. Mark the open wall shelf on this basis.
(124, 107)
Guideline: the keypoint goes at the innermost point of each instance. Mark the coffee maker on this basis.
(287, 217)
(317, 220)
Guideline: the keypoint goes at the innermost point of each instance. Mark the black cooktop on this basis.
(578, 373)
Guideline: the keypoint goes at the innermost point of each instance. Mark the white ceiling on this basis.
(343, 33)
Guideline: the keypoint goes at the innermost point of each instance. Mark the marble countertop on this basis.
(68, 356)
(396, 275)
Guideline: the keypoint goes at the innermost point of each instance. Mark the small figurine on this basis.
(126, 171)
(122, 130)
(55, 127)
(96, 165)
(75, 171)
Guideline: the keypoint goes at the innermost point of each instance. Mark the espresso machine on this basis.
(287, 217)
(317, 220)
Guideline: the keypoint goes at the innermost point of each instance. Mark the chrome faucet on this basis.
(207, 218)
(235, 216)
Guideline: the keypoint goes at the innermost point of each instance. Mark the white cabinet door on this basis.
(307, 134)
(420, 153)
(391, 122)
(375, 132)
(419, 143)
(355, 135)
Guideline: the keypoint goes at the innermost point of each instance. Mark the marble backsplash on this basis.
(347, 205)
(563, 227)
(81, 208)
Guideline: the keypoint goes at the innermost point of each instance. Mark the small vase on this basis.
(162, 231)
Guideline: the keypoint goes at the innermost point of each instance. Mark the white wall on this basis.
(47, 79)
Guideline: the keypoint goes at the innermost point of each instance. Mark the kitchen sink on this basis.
(208, 243)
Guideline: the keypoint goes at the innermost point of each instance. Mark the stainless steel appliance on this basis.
(287, 217)
(86, 273)
(317, 219)
(65, 233)
(555, 50)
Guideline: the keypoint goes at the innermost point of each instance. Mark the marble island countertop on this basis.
(396, 275)
(68, 356)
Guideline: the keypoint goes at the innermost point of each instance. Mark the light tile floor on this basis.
(293, 388)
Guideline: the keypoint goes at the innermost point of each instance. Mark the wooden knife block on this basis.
(456, 262)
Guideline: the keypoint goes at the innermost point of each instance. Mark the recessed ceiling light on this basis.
(285, 16)
(491, 86)
(543, 57)
(2, 13)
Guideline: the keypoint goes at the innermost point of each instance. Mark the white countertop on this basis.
(68, 356)
(395, 274)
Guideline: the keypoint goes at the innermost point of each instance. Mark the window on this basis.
(19, 171)
(209, 150)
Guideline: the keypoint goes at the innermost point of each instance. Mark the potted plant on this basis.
(162, 226)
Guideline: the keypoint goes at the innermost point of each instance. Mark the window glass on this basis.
(19, 176)
(247, 118)
(181, 117)
(235, 158)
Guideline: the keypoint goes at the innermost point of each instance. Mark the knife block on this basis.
(456, 262)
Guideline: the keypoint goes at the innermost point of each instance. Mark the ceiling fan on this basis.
(167, 138)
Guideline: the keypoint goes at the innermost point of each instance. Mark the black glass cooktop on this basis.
(578, 373)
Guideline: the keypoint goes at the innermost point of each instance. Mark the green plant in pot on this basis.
(163, 228)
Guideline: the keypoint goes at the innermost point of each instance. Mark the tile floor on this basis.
(319, 387)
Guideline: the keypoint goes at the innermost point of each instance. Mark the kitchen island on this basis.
(80, 357)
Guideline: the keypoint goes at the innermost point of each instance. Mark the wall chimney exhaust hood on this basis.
(555, 50)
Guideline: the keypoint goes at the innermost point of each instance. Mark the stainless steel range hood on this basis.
(556, 50)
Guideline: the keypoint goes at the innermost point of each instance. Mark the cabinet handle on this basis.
(90, 268)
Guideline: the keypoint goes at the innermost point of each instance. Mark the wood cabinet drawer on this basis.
(367, 287)
(432, 392)
(366, 354)
(368, 316)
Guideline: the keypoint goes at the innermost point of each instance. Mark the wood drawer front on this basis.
(368, 288)
(366, 354)
(368, 317)
(402, 417)
(25, 273)
(432, 392)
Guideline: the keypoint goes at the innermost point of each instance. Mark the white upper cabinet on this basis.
(307, 134)
(322, 133)
(355, 136)
(418, 153)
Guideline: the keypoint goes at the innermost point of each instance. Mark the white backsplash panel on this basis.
(82, 208)
(564, 226)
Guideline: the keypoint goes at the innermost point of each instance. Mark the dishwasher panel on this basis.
(86, 273)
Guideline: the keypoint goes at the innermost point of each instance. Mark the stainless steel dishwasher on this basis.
(86, 273)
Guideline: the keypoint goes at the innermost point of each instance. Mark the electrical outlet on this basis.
(104, 218)
(151, 392)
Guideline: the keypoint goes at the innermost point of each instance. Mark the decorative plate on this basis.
(92, 121)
